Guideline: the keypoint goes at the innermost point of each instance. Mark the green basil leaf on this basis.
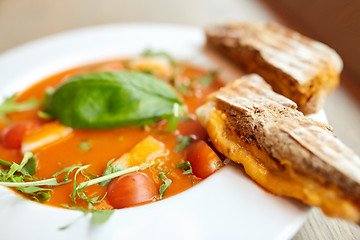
(112, 99)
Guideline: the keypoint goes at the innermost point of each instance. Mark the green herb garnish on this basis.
(163, 187)
(186, 166)
(10, 105)
(47, 182)
(173, 119)
(162, 175)
(20, 176)
(151, 53)
(184, 141)
(148, 71)
(92, 175)
(107, 177)
(5, 163)
(67, 170)
(208, 79)
(85, 145)
(111, 169)
(113, 99)
(183, 88)
(74, 193)
(97, 216)
(78, 190)
(101, 216)
(27, 167)
(44, 115)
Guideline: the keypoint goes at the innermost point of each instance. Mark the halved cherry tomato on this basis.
(130, 189)
(12, 136)
(203, 160)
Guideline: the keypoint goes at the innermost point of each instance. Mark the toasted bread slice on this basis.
(297, 67)
(281, 149)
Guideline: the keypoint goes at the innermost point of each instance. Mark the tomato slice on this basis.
(12, 136)
(203, 159)
(131, 189)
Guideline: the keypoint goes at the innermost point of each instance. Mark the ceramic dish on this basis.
(227, 205)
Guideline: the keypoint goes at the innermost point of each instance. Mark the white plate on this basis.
(227, 205)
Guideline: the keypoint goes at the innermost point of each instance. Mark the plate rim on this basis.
(285, 234)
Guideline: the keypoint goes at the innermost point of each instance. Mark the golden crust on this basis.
(297, 67)
(283, 151)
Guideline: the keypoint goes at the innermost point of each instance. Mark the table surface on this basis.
(22, 21)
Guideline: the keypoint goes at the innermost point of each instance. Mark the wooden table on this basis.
(21, 21)
(319, 226)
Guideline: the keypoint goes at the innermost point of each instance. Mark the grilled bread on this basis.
(281, 149)
(297, 67)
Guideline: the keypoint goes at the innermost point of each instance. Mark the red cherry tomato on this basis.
(203, 160)
(12, 136)
(130, 189)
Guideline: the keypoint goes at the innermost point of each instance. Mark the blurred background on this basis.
(334, 22)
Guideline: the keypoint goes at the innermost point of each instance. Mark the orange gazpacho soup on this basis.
(153, 161)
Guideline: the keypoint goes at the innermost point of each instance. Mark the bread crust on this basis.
(297, 67)
(297, 156)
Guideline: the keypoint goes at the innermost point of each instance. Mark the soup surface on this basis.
(161, 161)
